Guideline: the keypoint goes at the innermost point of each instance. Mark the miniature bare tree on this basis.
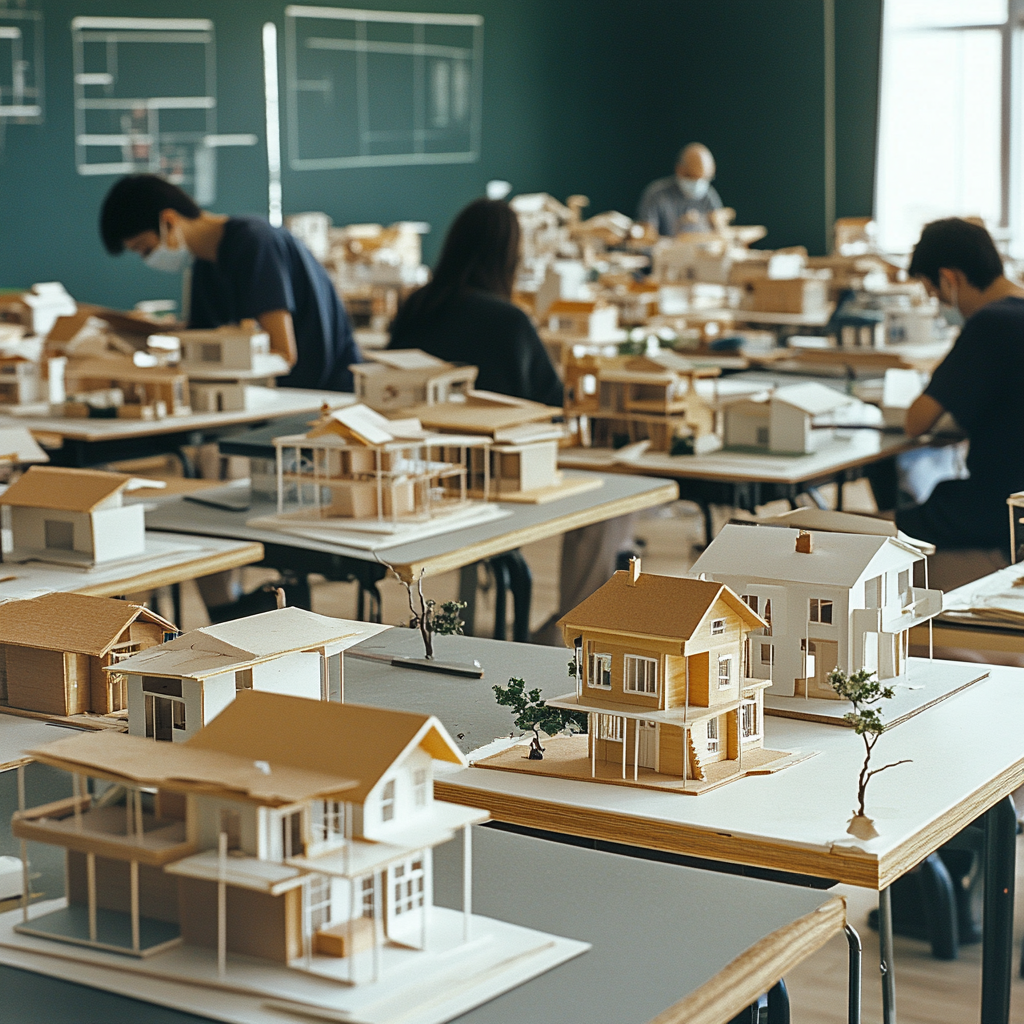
(533, 714)
(863, 693)
(430, 620)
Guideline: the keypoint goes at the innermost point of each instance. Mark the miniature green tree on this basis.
(533, 714)
(863, 693)
(430, 620)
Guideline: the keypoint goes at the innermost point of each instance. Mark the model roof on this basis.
(812, 397)
(363, 425)
(65, 490)
(17, 445)
(483, 412)
(75, 623)
(832, 521)
(229, 646)
(837, 559)
(659, 606)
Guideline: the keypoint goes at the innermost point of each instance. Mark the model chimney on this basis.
(634, 572)
(804, 546)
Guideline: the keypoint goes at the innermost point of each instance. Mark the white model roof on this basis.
(812, 397)
(837, 559)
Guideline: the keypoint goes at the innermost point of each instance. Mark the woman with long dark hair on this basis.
(465, 313)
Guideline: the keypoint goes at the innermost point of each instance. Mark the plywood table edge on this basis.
(204, 564)
(758, 968)
(436, 564)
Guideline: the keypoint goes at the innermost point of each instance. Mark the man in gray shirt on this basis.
(685, 201)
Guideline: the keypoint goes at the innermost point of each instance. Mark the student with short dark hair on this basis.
(242, 269)
(980, 382)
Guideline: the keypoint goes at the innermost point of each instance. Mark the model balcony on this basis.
(923, 605)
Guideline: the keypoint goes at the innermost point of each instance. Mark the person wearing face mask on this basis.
(683, 202)
(980, 383)
(242, 269)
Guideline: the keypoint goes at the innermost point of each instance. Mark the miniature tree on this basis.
(430, 620)
(863, 693)
(533, 714)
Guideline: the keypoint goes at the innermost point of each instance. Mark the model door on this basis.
(159, 712)
(826, 659)
(407, 898)
(648, 733)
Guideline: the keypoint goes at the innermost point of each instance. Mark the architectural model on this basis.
(291, 863)
(19, 380)
(828, 600)
(19, 448)
(72, 517)
(59, 653)
(395, 379)
(127, 390)
(662, 675)
(177, 688)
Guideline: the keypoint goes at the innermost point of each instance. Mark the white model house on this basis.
(176, 688)
(830, 600)
(784, 420)
(395, 379)
(72, 517)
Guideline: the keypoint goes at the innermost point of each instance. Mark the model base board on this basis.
(562, 488)
(925, 684)
(154, 549)
(566, 757)
(414, 987)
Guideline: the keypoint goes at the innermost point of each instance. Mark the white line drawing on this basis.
(21, 65)
(382, 88)
(146, 100)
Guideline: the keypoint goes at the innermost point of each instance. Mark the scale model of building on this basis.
(117, 385)
(392, 380)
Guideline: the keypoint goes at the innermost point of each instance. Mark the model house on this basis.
(59, 653)
(618, 400)
(130, 391)
(314, 822)
(19, 380)
(73, 517)
(176, 689)
(229, 350)
(829, 600)
(393, 380)
(792, 420)
(585, 319)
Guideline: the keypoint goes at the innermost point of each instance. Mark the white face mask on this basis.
(693, 188)
(163, 257)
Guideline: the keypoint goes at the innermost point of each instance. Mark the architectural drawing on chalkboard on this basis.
(382, 88)
(21, 66)
(146, 100)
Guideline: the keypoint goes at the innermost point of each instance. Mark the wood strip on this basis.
(757, 969)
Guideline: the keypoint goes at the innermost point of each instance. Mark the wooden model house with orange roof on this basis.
(59, 653)
(662, 676)
(290, 863)
(72, 517)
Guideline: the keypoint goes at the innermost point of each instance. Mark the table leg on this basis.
(997, 929)
(853, 998)
(778, 1003)
(501, 585)
(521, 584)
(467, 594)
(885, 964)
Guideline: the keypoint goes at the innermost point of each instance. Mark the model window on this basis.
(717, 627)
(209, 353)
(599, 669)
(750, 600)
(750, 727)
(767, 616)
(724, 671)
(610, 728)
(367, 896)
(873, 592)
(762, 436)
(712, 735)
(767, 654)
(231, 827)
(59, 536)
(904, 587)
(387, 802)
(640, 675)
(178, 714)
(291, 835)
(419, 787)
(821, 611)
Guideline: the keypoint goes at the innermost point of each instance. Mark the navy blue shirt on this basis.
(260, 269)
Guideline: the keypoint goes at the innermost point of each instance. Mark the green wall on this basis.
(592, 97)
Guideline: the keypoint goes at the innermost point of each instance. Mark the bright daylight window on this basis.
(943, 143)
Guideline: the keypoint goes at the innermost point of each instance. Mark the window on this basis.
(599, 669)
(767, 654)
(59, 536)
(243, 679)
(178, 714)
(419, 787)
(291, 835)
(724, 671)
(873, 592)
(821, 611)
(717, 627)
(767, 616)
(903, 582)
(750, 727)
(328, 821)
(231, 825)
(209, 352)
(387, 802)
(751, 601)
(408, 886)
(762, 436)
(712, 735)
(367, 900)
(640, 675)
(610, 728)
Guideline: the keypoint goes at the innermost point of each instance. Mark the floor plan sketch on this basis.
(146, 100)
(21, 65)
(379, 88)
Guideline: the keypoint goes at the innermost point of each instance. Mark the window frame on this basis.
(387, 801)
(611, 729)
(593, 656)
(651, 669)
(717, 627)
(750, 707)
(714, 741)
(725, 659)
(817, 607)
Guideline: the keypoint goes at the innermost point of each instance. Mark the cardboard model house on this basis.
(316, 820)
(792, 420)
(828, 600)
(72, 517)
(19, 380)
(133, 392)
(396, 379)
(585, 319)
(59, 653)
(177, 688)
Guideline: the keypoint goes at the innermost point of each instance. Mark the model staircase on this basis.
(691, 752)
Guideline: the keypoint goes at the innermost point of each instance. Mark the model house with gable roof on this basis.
(60, 653)
(176, 689)
(72, 517)
(392, 380)
(829, 600)
(131, 391)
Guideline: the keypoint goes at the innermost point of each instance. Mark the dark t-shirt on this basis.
(488, 332)
(260, 269)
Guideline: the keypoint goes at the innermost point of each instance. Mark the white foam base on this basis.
(415, 987)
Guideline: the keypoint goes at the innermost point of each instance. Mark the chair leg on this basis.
(501, 588)
(940, 908)
(778, 1003)
(853, 998)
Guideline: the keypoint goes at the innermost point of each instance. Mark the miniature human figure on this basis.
(980, 382)
(242, 269)
(684, 201)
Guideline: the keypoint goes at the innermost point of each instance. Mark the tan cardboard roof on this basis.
(74, 623)
(66, 490)
(668, 607)
(482, 413)
(349, 740)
